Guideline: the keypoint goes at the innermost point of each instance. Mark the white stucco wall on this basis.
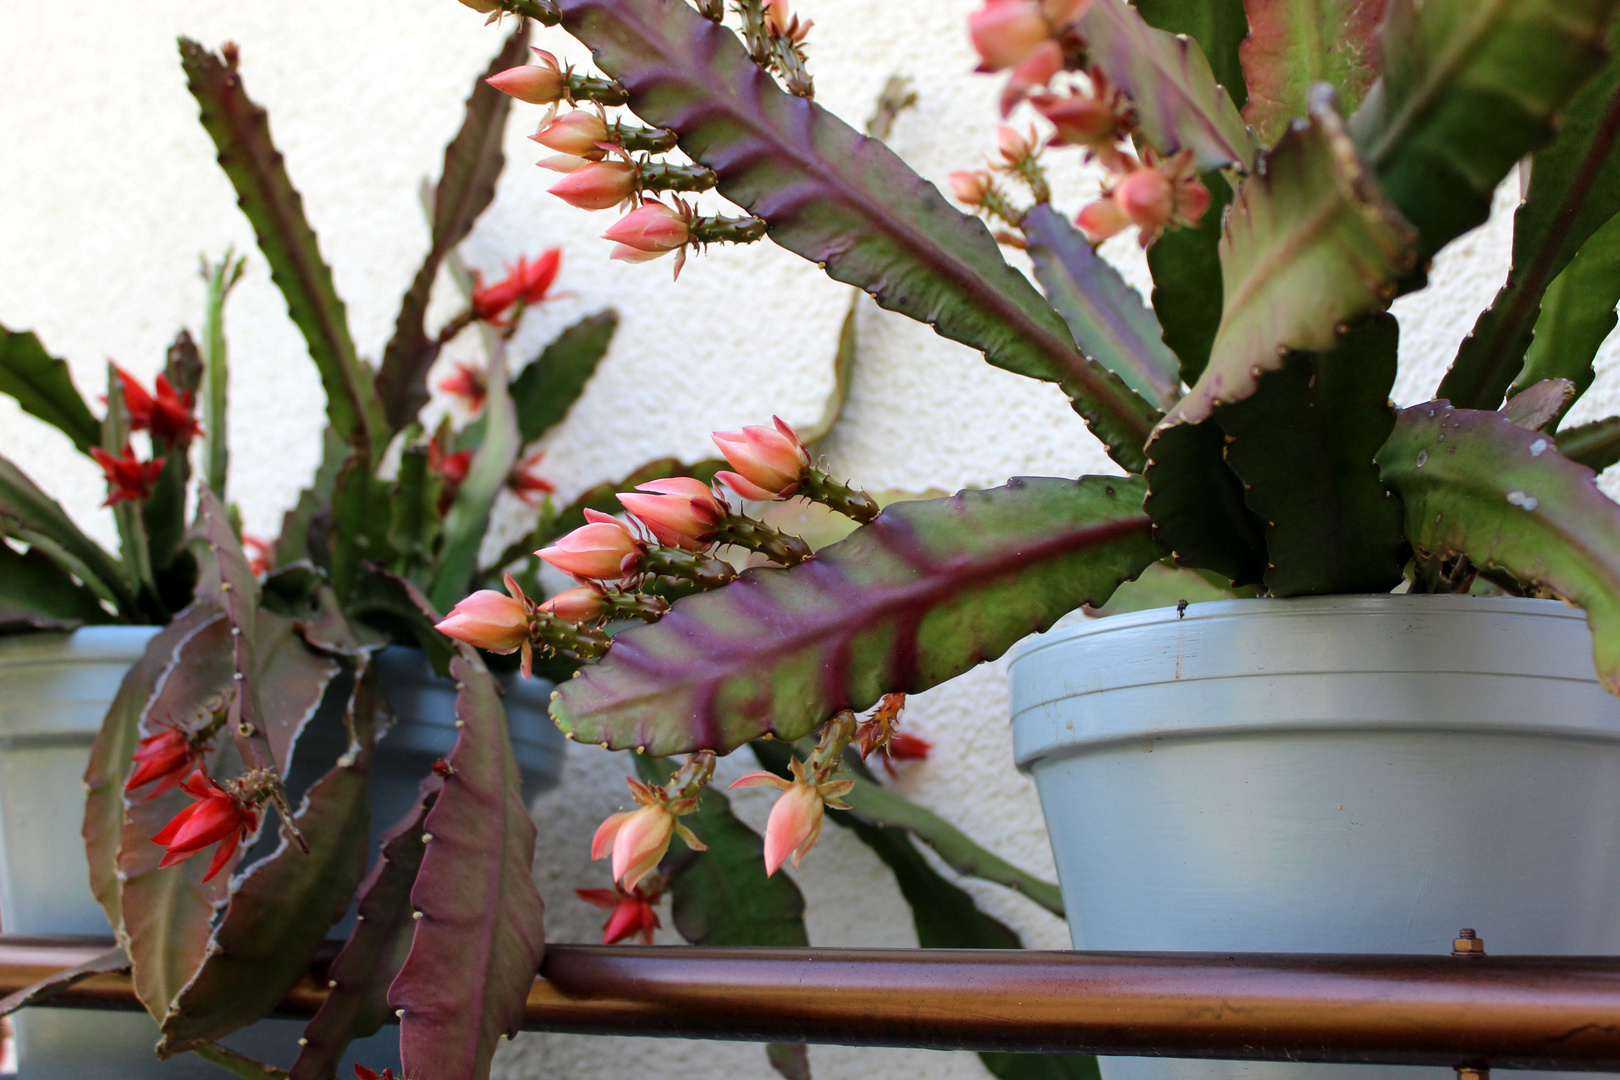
(109, 192)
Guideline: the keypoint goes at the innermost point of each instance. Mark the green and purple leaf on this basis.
(111, 758)
(1304, 446)
(1295, 44)
(241, 131)
(1466, 90)
(925, 592)
(1595, 445)
(1574, 190)
(1536, 407)
(239, 595)
(481, 935)
(1107, 317)
(847, 202)
(356, 1003)
(30, 515)
(1178, 102)
(1577, 314)
(1473, 483)
(43, 386)
(547, 387)
(472, 164)
(1218, 26)
(280, 911)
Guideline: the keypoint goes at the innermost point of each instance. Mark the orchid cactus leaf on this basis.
(414, 524)
(472, 163)
(1165, 584)
(1574, 190)
(222, 278)
(291, 680)
(1466, 90)
(279, 913)
(1474, 483)
(163, 514)
(925, 592)
(1595, 445)
(1218, 26)
(1577, 314)
(1187, 291)
(43, 386)
(481, 936)
(30, 515)
(1536, 407)
(1197, 505)
(1295, 44)
(845, 201)
(111, 756)
(547, 388)
(314, 503)
(356, 1003)
(1303, 447)
(35, 592)
(1178, 102)
(113, 960)
(239, 596)
(1109, 321)
(241, 132)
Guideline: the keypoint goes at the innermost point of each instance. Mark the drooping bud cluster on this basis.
(637, 839)
(1040, 44)
(795, 822)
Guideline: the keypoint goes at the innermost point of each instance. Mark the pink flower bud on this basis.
(563, 163)
(1146, 197)
(1102, 219)
(970, 186)
(1032, 73)
(600, 185)
(680, 511)
(579, 604)
(794, 826)
(1080, 119)
(488, 620)
(651, 227)
(577, 134)
(637, 838)
(1060, 13)
(1006, 31)
(1015, 146)
(770, 462)
(1192, 200)
(538, 84)
(777, 16)
(599, 550)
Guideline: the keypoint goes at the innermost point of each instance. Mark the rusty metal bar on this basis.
(1513, 1012)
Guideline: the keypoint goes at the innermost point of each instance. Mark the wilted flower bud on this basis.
(601, 550)
(680, 511)
(770, 462)
(600, 185)
(795, 822)
(538, 84)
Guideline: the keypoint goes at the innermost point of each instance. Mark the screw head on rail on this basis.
(1467, 943)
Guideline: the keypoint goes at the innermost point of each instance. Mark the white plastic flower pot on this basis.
(1330, 774)
(54, 692)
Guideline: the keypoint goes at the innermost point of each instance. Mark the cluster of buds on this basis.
(609, 163)
(510, 622)
(800, 811)
(218, 814)
(1037, 41)
(632, 911)
(637, 839)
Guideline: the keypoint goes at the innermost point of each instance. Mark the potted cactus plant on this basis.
(1388, 683)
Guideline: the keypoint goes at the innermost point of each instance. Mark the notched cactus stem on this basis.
(779, 547)
(579, 88)
(634, 137)
(718, 229)
(662, 176)
(852, 502)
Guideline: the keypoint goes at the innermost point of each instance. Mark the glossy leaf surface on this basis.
(846, 201)
(1109, 321)
(43, 386)
(241, 132)
(1295, 44)
(925, 592)
(1475, 484)
(481, 936)
(1304, 446)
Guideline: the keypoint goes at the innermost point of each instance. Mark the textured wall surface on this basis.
(109, 192)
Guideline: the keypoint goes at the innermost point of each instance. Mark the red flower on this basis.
(527, 483)
(363, 1073)
(261, 557)
(163, 757)
(218, 816)
(632, 911)
(127, 478)
(167, 416)
(469, 383)
(526, 283)
(451, 469)
(905, 747)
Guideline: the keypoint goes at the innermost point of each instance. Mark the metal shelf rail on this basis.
(1465, 1011)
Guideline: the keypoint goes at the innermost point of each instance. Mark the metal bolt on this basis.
(1467, 943)
(1473, 1072)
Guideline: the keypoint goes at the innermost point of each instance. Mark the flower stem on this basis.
(662, 176)
(775, 545)
(852, 502)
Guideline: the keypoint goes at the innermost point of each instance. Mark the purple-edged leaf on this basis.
(356, 1003)
(1467, 89)
(1310, 245)
(1476, 484)
(1303, 447)
(1109, 321)
(291, 680)
(481, 937)
(239, 594)
(280, 911)
(1536, 407)
(43, 386)
(1574, 190)
(1577, 313)
(1294, 44)
(111, 756)
(846, 201)
(1178, 102)
(240, 129)
(1218, 26)
(38, 993)
(472, 163)
(925, 592)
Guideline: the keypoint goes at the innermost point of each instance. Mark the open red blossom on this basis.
(526, 282)
(167, 414)
(164, 758)
(261, 555)
(469, 382)
(363, 1073)
(217, 817)
(527, 483)
(632, 910)
(904, 746)
(128, 479)
(451, 469)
